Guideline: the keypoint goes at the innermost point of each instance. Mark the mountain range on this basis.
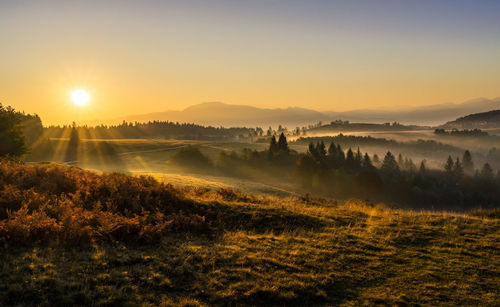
(229, 115)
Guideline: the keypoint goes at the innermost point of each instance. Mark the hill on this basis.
(483, 120)
(73, 237)
(229, 115)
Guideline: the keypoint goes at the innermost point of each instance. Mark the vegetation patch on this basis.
(70, 237)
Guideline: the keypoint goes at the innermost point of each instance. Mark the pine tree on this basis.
(273, 145)
(72, 149)
(467, 163)
(448, 167)
(283, 144)
(332, 150)
(341, 154)
(367, 163)
(390, 165)
(321, 149)
(312, 150)
(487, 172)
(457, 169)
(349, 160)
(358, 158)
(422, 168)
(401, 162)
(376, 159)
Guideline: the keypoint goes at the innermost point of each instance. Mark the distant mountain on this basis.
(483, 120)
(425, 115)
(222, 114)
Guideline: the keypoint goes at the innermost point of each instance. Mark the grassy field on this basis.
(59, 247)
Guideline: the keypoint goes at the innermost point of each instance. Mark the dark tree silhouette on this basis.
(487, 172)
(367, 163)
(389, 165)
(448, 167)
(458, 170)
(283, 144)
(72, 149)
(467, 163)
(422, 168)
(12, 141)
(273, 145)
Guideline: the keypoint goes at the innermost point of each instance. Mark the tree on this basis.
(467, 163)
(389, 165)
(321, 149)
(332, 150)
(401, 162)
(448, 167)
(341, 154)
(422, 169)
(72, 149)
(358, 158)
(12, 141)
(283, 144)
(376, 159)
(487, 172)
(273, 145)
(367, 163)
(350, 162)
(458, 171)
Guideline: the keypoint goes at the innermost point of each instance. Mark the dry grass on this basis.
(248, 250)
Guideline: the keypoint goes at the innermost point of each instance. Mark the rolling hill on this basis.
(483, 120)
(72, 237)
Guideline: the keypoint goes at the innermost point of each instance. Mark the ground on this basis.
(288, 251)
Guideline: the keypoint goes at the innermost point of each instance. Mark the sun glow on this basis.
(79, 97)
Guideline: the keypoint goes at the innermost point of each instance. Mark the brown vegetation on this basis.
(70, 237)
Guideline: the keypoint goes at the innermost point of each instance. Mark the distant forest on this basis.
(334, 171)
(155, 129)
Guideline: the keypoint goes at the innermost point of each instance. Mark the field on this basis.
(154, 244)
(149, 157)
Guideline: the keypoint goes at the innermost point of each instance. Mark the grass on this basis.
(251, 250)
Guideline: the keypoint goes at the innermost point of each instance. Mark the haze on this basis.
(135, 57)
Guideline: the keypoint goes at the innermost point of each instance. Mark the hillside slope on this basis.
(72, 237)
(483, 120)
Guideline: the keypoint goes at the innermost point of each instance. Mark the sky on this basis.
(135, 57)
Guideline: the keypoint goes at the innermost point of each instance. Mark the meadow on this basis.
(74, 237)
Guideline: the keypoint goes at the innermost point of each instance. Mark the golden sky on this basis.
(137, 57)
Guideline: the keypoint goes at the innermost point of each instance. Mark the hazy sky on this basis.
(143, 56)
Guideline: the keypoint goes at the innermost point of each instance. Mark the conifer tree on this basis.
(341, 154)
(283, 144)
(467, 163)
(358, 158)
(321, 149)
(273, 145)
(422, 168)
(367, 163)
(448, 167)
(487, 172)
(349, 160)
(332, 150)
(390, 165)
(458, 169)
(401, 162)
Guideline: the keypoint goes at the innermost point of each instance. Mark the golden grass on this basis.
(270, 251)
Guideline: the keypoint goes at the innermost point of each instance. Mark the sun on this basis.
(79, 97)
